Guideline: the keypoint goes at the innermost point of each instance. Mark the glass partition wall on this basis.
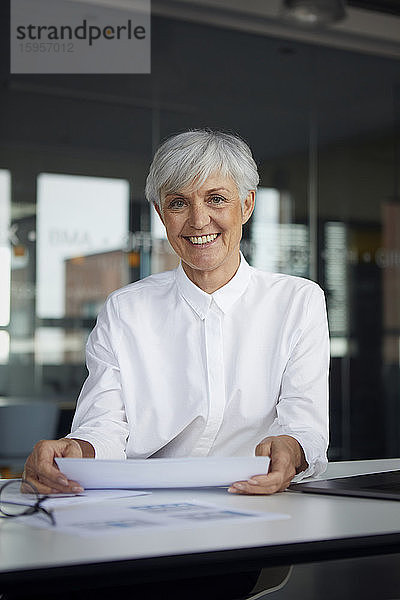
(324, 127)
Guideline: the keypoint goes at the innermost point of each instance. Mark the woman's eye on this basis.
(177, 203)
(217, 200)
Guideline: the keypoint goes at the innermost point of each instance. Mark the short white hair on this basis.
(196, 154)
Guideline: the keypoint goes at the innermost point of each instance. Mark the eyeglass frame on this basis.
(29, 509)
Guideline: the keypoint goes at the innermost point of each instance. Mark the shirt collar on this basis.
(225, 297)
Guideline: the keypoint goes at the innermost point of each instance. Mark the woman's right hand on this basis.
(41, 469)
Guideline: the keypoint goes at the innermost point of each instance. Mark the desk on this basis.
(320, 528)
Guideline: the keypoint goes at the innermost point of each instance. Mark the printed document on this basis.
(129, 517)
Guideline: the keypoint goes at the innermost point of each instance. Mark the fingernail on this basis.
(232, 490)
(77, 489)
(253, 482)
(62, 481)
(238, 486)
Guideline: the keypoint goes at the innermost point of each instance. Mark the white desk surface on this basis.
(317, 524)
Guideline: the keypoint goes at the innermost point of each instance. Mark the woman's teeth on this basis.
(203, 239)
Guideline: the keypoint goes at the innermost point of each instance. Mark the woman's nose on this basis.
(199, 216)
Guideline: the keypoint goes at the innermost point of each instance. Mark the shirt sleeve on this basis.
(100, 416)
(302, 408)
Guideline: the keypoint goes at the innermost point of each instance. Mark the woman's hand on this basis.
(287, 459)
(41, 470)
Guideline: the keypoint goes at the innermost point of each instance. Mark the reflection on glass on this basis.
(49, 345)
(58, 346)
(4, 347)
(389, 260)
(89, 280)
(277, 244)
(77, 217)
(336, 286)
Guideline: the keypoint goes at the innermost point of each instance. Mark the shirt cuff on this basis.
(315, 457)
(102, 450)
(314, 447)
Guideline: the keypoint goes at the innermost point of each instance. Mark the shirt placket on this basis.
(215, 379)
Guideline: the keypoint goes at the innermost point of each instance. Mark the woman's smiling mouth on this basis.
(201, 240)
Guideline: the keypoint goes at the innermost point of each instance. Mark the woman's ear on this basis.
(248, 206)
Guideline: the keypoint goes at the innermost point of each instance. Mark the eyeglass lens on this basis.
(18, 497)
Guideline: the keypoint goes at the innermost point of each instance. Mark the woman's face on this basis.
(204, 227)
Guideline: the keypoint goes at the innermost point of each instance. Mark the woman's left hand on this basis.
(287, 459)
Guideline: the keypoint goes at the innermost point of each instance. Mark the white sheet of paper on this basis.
(162, 472)
(128, 517)
(88, 496)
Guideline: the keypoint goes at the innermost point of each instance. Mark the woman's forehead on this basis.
(214, 181)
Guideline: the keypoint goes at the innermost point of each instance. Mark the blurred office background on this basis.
(320, 107)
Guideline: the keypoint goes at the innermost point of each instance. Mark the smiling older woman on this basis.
(213, 358)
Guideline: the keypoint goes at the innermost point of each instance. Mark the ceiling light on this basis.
(314, 13)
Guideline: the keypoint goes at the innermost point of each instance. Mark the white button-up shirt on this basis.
(174, 371)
